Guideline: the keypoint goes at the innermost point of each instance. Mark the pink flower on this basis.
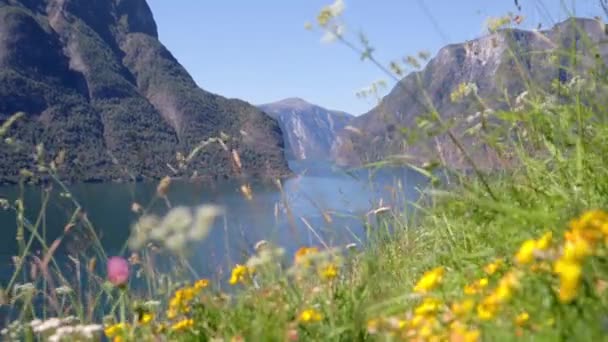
(118, 271)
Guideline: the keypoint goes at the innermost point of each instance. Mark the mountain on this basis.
(309, 130)
(95, 82)
(499, 65)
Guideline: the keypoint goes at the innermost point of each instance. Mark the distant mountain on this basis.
(309, 130)
(94, 81)
(498, 64)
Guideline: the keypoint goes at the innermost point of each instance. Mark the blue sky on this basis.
(259, 51)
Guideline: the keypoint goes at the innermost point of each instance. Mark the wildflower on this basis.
(487, 309)
(544, 242)
(428, 307)
(373, 325)
(569, 279)
(522, 319)
(494, 24)
(429, 280)
(303, 254)
(203, 221)
(526, 252)
(575, 248)
(459, 332)
(310, 315)
(64, 290)
(476, 287)
(201, 284)
(492, 267)
(180, 303)
(462, 308)
(163, 187)
(183, 325)
(247, 192)
(146, 318)
(171, 313)
(328, 272)
(115, 329)
(240, 274)
(292, 335)
(118, 271)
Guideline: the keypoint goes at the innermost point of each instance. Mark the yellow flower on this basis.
(428, 307)
(183, 325)
(576, 249)
(462, 308)
(201, 284)
(310, 315)
(569, 279)
(590, 226)
(240, 274)
(544, 242)
(372, 325)
(476, 287)
(502, 293)
(487, 309)
(115, 329)
(460, 333)
(146, 318)
(328, 272)
(303, 254)
(118, 339)
(526, 252)
(522, 319)
(429, 280)
(472, 336)
(470, 289)
(171, 313)
(428, 326)
(492, 267)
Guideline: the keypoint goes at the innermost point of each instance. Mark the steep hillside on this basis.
(309, 130)
(501, 66)
(94, 81)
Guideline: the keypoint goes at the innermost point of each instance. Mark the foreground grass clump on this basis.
(548, 289)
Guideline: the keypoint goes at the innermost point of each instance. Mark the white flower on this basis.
(151, 304)
(178, 219)
(176, 242)
(48, 325)
(332, 35)
(203, 221)
(337, 8)
(351, 246)
(64, 290)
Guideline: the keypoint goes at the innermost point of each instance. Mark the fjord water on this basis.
(335, 203)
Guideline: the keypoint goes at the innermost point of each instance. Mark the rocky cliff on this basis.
(95, 82)
(309, 130)
(500, 66)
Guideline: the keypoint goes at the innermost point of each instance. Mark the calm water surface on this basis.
(318, 188)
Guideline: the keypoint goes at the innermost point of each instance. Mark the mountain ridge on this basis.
(309, 129)
(484, 61)
(96, 82)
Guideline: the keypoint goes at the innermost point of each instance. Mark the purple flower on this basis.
(118, 271)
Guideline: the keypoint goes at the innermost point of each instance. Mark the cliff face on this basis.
(94, 80)
(499, 65)
(309, 130)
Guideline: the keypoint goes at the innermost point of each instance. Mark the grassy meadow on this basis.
(515, 254)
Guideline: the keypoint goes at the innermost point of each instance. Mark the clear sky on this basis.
(259, 50)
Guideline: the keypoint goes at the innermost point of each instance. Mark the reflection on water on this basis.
(331, 201)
